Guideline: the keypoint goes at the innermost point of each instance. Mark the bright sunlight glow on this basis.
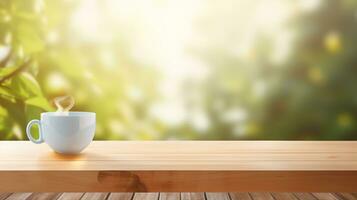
(163, 33)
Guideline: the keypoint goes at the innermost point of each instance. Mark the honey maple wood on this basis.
(181, 166)
(179, 196)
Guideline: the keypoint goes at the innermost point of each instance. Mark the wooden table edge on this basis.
(178, 181)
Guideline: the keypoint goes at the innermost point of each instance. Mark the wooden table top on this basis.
(185, 155)
(182, 166)
(179, 196)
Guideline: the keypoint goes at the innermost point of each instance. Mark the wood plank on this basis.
(181, 166)
(121, 196)
(325, 196)
(175, 196)
(239, 196)
(261, 196)
(94, 196)
(346, 196)
(146, 196)
(192, 196)
(180, 181)
(18, 196)
(305, 196)
(43, 196)
(184, 155)
(169, 196)
(71, 196)
(217, 195)
(284, 196)
(4, 195)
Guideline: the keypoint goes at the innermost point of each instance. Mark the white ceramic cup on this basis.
(67, 133)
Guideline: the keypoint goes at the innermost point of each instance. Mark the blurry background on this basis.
(182, 69)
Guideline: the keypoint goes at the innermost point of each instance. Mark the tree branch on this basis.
(15, 72)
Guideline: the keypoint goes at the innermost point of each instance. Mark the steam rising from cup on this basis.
(64, 104)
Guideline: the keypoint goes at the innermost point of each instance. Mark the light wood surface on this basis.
(239, 196)
(43, 196)
(121, 196)
(70, 196)
(181, 166)
(146, 196)
(184, 155)
(284, 196)
(192, 196)
(184, 196)
(307, 196)
(19, 196)
(217, 195)
(169, 196)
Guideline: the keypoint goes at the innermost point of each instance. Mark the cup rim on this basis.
(68, 114)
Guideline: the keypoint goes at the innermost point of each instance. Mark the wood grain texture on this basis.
(121, 196)
(18, 196)
(325, 196)
(217, 195)
(43, 196)
(305, 196)
(179, 181)
(261, 196)
(239, 196)
(94, 196)
(284, 196)
(174, 196)
(71, 196)
(169, 196)
(182, 166)
(346, 196)
(4, 195)
(184, 155)
(146, 196)
(192, 196)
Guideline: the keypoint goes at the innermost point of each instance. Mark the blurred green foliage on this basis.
(309, 96)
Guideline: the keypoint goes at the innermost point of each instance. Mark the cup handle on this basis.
(28, 131)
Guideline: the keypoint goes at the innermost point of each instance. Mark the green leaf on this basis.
(14, 116)
(25, 86)
(6, 71)
(40, 102)
(6, 93)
